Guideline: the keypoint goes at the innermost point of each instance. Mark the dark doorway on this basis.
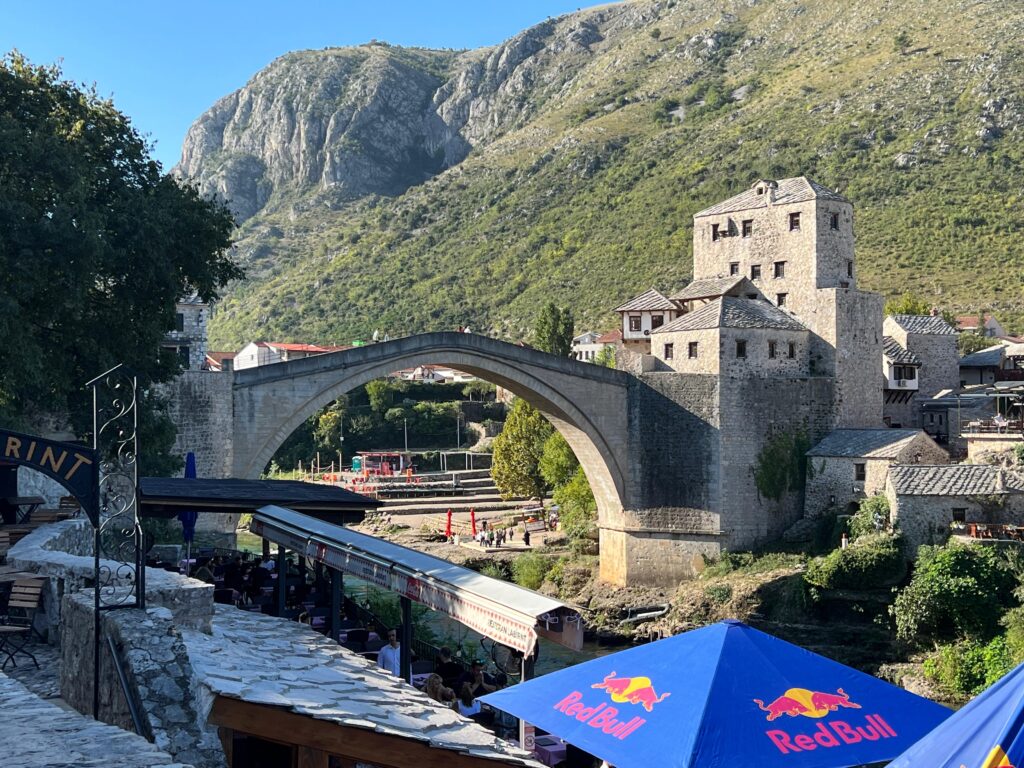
(250, 752)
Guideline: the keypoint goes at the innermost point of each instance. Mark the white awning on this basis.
(504, 612)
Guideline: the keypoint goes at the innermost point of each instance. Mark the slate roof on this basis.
(265, 660)
(731, 312)
(880, 443)
(930, 324)
(703, 289)
(894, 352)
(799, 189)
(990, 357)
(953, 480)
(651, 300)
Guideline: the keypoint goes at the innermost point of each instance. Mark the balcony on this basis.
(995, 426)
(903, 385)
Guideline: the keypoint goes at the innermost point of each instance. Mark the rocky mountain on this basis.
(408, 189)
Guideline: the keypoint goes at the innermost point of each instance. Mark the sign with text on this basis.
(72, 466)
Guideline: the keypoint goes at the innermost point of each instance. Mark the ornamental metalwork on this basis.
(119, 553)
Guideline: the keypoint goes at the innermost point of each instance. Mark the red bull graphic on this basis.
(997, 758)
(634, 690)
(602, 715)
(801, 702)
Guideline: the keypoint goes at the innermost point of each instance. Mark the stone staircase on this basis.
(479, 493)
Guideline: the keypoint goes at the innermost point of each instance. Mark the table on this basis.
(25, 506)
(549, 750)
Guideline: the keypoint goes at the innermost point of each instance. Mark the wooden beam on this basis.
(357, 744)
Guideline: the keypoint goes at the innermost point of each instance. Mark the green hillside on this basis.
(590, 200)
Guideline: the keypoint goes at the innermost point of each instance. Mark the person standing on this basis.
(389, 658)
(526, 536)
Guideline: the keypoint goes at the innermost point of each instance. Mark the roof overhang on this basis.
(504, 612)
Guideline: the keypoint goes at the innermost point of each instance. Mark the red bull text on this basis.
(622, 690)
(800, 702)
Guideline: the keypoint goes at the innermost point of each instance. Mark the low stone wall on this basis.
(159, 673)
(39, 734)
(63, 552)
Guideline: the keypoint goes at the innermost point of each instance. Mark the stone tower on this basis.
(793, 239)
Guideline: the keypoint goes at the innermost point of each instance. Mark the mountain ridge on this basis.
(566, 163)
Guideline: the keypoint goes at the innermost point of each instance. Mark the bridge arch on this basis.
(585, 403)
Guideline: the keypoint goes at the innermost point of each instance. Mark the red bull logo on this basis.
(634, 690)
(622, 690)
(801, 702)
(997, 758)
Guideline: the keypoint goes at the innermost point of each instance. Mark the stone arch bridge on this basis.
(668, 455)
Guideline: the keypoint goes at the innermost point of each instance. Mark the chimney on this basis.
(772, 186)
(1000, 480)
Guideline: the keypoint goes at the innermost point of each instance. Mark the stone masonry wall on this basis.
(752, 411)
(858, 358)
(32, 483)
(201, 408)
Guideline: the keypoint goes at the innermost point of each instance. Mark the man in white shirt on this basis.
(389, 658)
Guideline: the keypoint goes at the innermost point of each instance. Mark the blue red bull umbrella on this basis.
(188, 517)
(723, 696)
(987, 733)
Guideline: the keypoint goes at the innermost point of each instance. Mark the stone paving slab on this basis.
(45, 681)
(36, 734)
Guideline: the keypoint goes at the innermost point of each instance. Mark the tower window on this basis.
(772, 349)
(734, 267)
(860, 472)
(741, 348)
(716, 233)
(755, 271)
(792, 350)
(692, 350)
(779, 269)
(634, 322)
(780, 299)
(834, 221)
(794, 222)
(670, 351)
(849, 268)
(748, 227)
(179, 322)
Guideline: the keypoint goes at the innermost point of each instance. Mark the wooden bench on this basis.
(16, 631)
(43, 516)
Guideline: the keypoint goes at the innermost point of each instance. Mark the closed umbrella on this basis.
(188, 517)
(448, 526)
(472, 522)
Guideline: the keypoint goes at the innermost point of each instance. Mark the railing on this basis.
(138, 723)
(992, 426)
(902, 384)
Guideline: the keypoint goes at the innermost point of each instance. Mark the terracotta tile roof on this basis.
(705, 289)
(731, 312)
(895, 353)
(880, 443)
(799, 189)
(651, 300)
(953, 480)
(219, 357)
(288, 347)
(927, 324)
(612, 337)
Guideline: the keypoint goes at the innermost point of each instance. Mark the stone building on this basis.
(851, 465)
(257, 353)
(642, 315)
(188, 339)
(925, 501)
(924, 346)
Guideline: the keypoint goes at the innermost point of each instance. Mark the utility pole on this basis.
(405, 430)
(458, 437)
(341, 440)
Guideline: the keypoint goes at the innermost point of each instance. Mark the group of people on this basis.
(459, 688)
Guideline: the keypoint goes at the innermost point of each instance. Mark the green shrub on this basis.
(529, 570)
(872, 516)
(956, 591)
(1014, 623)
(719, 594)
(495, 571)
(968, 667)
(748, 562)
(868, 563)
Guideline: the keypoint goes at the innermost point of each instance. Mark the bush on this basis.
(869, 563)
(872, 516)
(1013, 621)
(495, 571)
(530, 569)
(719, 594)
(577, 516)
(956, 591)
(968, 667)
(748, 562)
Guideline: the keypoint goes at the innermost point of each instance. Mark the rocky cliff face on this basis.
(378, 119)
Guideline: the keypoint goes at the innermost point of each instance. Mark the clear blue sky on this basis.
(164, 62)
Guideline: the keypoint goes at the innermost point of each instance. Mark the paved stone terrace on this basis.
(37, 734)
(264, 660)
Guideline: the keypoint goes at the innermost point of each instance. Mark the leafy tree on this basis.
(869, 563)
(96, 247)
(577, 508)
(557, 461)
(553, 330)
(956, 591)
(380, 393)
(328, 430)
(969, 342)
(907, 304)
(872, 517)
(517, 451)
(479, 390)
(606, 357)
